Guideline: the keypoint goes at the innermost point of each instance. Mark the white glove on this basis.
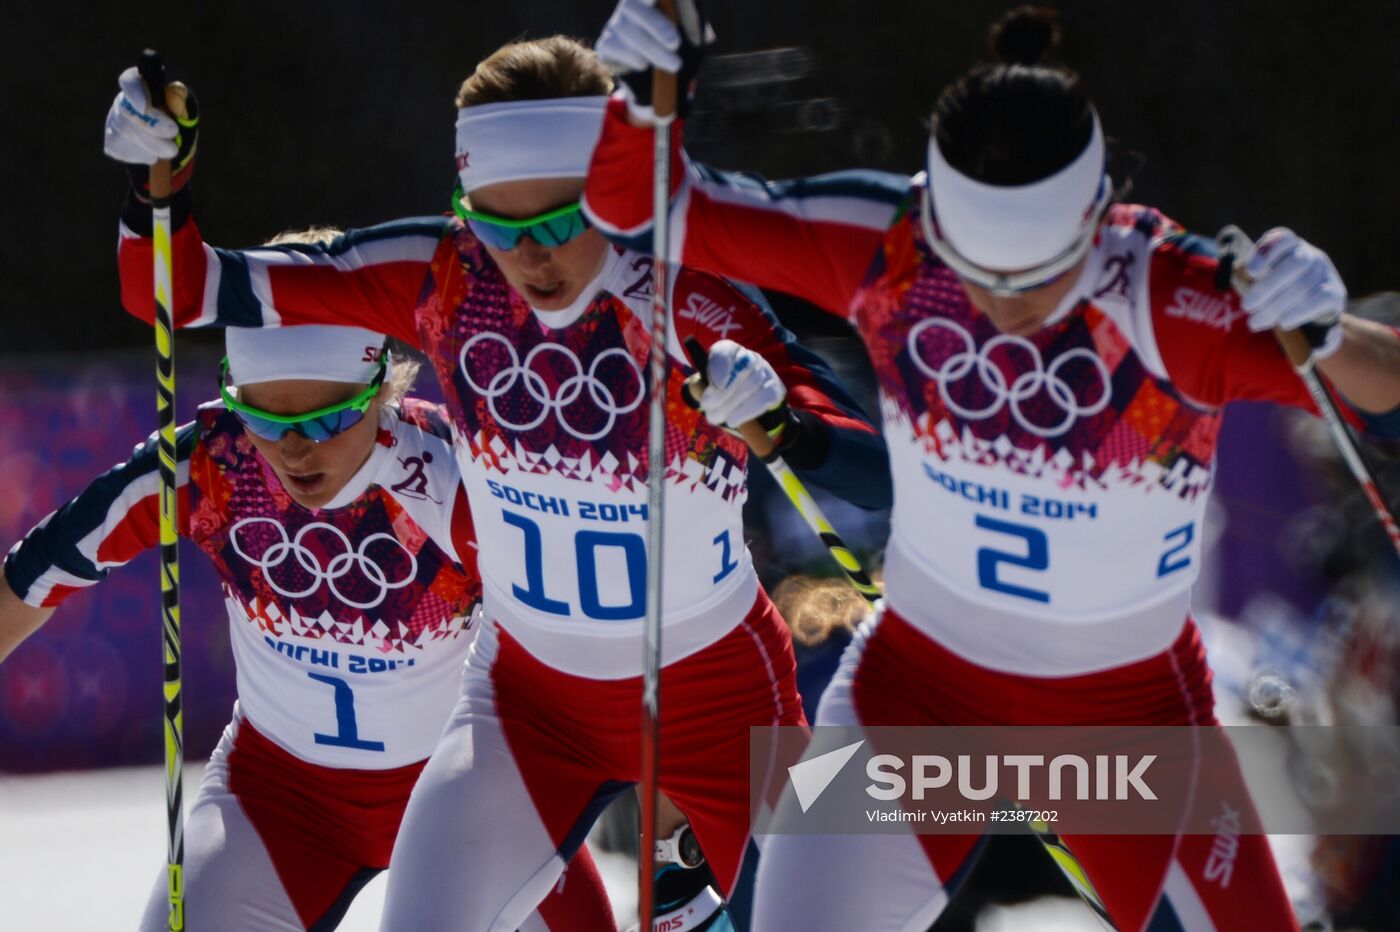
(638, 36)
(742, 386)
(135, 133)
(1293, 283)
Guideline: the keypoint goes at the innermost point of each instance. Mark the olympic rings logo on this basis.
(603, 397)
(1026, 385)
(340, 565)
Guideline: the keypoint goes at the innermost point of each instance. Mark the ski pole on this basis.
(756, 434)
(153, 74)
(663, 98)
(1237, 246)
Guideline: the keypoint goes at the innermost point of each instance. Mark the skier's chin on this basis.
(1022, 327)
(1014, 317)
(550, 296)
(309, 491)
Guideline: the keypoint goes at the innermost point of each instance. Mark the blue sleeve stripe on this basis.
(640, 243)
(863, 184)
(1385, 425)
(1194, 244)
(237, 304)
(857, 469)
(433, 227)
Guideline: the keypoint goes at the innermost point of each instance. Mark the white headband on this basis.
(325, 354)
(1016, 227)
(523, 139)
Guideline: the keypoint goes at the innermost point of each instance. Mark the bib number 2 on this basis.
(1033, 554)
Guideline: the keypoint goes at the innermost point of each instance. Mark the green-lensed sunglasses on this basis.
(551, 228)
(317, 426)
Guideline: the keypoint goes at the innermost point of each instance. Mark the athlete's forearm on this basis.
(813, 238)
(367, 278)
(135, 256)
(851, 464)
(1366, 369)
(17, 620)
(109, 523)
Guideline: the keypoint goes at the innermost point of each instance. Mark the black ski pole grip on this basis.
(152, 71)
(693, 386)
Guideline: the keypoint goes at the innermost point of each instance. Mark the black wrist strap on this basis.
(136, 213)
(805, 440)
(1316, 334)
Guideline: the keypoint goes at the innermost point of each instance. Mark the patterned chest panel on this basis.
(570, 403)
(364, 574)
(1073, 402)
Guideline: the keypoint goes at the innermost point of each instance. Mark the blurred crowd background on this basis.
(1250, 112)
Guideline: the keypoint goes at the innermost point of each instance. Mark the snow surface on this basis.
(81, 851)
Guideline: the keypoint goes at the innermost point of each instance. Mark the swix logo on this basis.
(1206, 309)
(141, 115)
(1220, 866)
(709, 314)
(372, 354)
(463, 160)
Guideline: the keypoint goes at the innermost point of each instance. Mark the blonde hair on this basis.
(398, 381)
(311, 236)
(816, 607)
(536, 69)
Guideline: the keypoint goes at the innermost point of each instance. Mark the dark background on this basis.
(1258, 113)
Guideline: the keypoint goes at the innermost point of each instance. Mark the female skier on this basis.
(1052, 368)
(332, 509)
(538, 330)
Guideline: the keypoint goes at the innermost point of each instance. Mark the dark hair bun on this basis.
(1024, 35)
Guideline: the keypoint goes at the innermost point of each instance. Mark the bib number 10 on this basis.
(1032, 554)
(590, 549)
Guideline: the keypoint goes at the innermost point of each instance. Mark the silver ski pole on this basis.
(1238, 246)
(663, 99)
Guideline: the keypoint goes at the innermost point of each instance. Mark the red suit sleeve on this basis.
(1203, 334)
(813, 238)
(709, 309)
(367, 278)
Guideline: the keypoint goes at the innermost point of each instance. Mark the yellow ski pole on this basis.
(153, 73)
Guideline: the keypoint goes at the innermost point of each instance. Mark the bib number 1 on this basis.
(347, 730)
